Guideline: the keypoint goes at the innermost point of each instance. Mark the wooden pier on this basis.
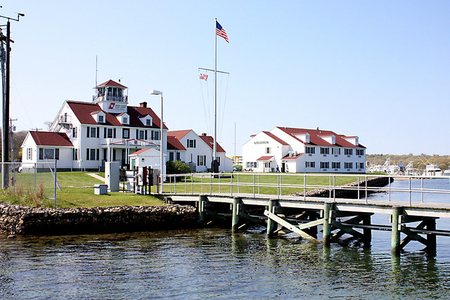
(335, 217)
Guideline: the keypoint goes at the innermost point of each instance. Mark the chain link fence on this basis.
(29, 183)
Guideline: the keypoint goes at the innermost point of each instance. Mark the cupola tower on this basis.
(111, 97)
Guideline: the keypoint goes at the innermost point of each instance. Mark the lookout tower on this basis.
(111, 97)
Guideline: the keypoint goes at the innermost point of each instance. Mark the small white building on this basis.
(299, 150)
(149, 157)
(199, 150)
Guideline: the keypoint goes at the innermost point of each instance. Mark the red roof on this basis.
(316, 137)
(292, 157)
(178, 134)
(174, 144)
(46, 138)
(265, 158)
(210, 140)
(276, 138)
(111, 83)
(83, 111)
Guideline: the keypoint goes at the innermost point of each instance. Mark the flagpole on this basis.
(214, 165)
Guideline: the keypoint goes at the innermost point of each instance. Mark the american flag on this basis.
(221, 32)
(204, 77)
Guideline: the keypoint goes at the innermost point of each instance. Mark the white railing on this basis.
(409, 189)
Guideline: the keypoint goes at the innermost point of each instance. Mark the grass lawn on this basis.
(77, 188)
(259, 184)
(76, 191)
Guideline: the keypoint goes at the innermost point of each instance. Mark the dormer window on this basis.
(124, 119)
(99, 116)
(147, 120)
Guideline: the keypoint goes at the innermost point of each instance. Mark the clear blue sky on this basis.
(376, 69)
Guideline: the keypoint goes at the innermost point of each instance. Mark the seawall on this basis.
(17, 219)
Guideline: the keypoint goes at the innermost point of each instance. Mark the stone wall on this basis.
(16, 219)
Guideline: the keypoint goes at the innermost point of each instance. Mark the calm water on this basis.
(210, 263)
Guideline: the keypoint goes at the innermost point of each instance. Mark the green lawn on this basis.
(76, 191)
(269, 183)
(77, 188)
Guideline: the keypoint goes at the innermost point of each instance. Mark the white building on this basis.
(199, 151)
(84, 135)
(300, 150)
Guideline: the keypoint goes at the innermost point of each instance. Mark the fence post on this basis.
(55, 181)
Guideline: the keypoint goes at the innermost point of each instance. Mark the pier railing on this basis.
(409, 189)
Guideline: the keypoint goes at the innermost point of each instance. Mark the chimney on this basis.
(203, 134)
(143, 104)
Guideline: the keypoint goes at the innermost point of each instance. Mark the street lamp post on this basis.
(161, 147)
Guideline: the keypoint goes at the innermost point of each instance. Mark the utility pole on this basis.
(6, 101)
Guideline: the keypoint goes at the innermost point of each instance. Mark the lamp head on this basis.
(155, 92)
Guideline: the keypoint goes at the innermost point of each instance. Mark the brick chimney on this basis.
(143, 104)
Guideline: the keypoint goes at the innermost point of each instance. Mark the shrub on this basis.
(177, 167)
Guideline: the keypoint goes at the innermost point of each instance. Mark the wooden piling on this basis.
(201, 208)
(271, 225)
(431, 238)
(395, 240)
(327, 224)
(237, 203)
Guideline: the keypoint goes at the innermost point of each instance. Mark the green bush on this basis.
(177, 167)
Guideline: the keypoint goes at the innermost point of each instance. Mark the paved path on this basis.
(97, 176)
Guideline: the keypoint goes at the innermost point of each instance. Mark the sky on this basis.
(379, 70)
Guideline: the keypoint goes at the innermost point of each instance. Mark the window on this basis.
(178, 156)
(359, 152)
(310, 164)
(148, 122)
(336, 151)
(348, 151)
(267, 151)
(310, 150)
(171, 156)
(201, 160)
(156, 135)
(74, 132)
(100, 119)
(348, 165)
(92, 132)
(126, 133)
(191, 143)
(252, 164)
(335, 165)
(360, 165)
(92, 154)
(324, 150)
(48, 154)
(324, 164)
(109, 132)
(125, 120)
(141, 134)
(267, 164)
(75, 154)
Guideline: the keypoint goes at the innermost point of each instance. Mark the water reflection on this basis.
(207, 263)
